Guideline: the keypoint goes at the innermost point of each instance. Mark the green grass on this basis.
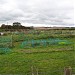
(20, 63)
(49, 60)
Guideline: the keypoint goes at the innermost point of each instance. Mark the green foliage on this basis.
(50, 60)
(4, 50)
(5, 44)
(44, 43)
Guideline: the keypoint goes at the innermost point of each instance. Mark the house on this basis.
(16, 24)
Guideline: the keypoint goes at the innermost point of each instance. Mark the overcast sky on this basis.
(37, 12)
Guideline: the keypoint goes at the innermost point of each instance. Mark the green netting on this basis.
(4, 39)
(4, 50)
(5, 44)
(24, 44)
(44, 42)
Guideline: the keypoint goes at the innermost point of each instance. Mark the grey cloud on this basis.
(51, 12)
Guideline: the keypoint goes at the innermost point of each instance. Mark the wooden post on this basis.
(68, 71)
(32, 70)
(37, 71)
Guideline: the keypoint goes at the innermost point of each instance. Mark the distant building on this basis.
(16, 24)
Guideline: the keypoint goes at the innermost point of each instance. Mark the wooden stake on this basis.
(37, 71)
(32, 70)
(68, 71)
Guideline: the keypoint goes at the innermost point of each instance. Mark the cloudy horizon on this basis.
(38, 12)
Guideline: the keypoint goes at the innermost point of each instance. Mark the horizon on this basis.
(47, 13)
(40, 25)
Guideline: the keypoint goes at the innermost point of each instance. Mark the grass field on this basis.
(47, 60)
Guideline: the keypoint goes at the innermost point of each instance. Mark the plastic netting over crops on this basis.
(45, 42)
(5, 44)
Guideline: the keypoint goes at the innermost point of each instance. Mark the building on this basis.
(16, 24)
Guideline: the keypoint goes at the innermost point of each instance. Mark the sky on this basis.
(46, 13)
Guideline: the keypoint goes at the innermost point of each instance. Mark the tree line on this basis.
(3, 26)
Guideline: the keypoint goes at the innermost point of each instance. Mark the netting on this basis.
(4, 50)
(5, 44)
(44, 42)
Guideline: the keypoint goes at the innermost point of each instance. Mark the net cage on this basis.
(47, 42)
(5, 44)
